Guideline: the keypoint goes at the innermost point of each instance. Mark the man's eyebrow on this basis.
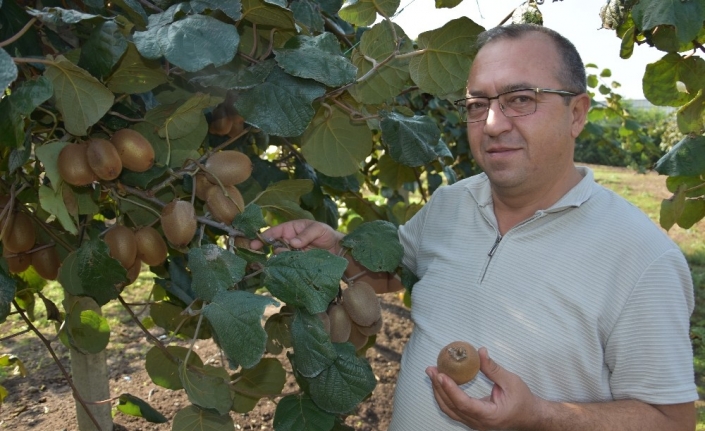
(503, 89)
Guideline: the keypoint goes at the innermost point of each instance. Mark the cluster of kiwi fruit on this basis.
(133, 247)
(355, 316)
(80, 164)
(225, 120)
(19, 244)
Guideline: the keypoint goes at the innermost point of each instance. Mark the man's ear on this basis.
(580, 105)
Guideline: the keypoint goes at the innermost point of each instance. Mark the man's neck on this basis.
(512, 207)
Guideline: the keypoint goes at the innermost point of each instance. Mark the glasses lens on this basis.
(518, 103)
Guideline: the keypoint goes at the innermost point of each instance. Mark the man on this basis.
(582, 301)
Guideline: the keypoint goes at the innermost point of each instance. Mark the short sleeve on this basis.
(649, 352)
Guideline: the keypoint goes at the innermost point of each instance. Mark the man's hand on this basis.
(511, 405)
(301, 234)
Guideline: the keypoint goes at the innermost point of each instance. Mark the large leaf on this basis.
(388, 80)
(53, 203)
(207, 387)
(686, 158)
(30, 94)
(87, 329)
(363, 13)
(236, 318)
(81, 99)
(244, 78)
(214, 269)
(48, 154)
(306, 12)
(300, 413)
(8, 287)
(135, 406)
(411, 140)
(8, 70)
(317, 58)
(182, 42)
(286, 190)
(134, 74)
(308, 279)
(187, 116)
(250, 221)
(393, 174)
(447, 54)
(312, 346)
(103, 49)
(334, 144)
(693, 212)
(192, 418)
(266, 379)
(268, 15)
(164, 370)
(281, 106)
(57, 16)
(661, 79)
(343, 385)
(686, 16)
(231, 8)
(375, 245)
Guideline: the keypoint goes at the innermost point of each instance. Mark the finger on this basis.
(439, 395)
(491, 369)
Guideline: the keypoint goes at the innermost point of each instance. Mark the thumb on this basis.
(491, 369)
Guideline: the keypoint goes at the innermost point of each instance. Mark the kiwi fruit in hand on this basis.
(460, 361)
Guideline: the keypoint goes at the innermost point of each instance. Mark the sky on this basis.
(578, 20)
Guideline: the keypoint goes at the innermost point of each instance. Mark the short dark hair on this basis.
(572, 74)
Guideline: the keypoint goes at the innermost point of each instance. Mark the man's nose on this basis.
(496, 121)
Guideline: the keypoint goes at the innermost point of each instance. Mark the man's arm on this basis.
(511, 405)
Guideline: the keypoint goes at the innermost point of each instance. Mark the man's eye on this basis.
(476, 105)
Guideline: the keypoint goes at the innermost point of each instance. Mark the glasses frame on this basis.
(462, 103)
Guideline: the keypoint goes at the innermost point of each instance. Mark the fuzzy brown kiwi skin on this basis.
(73, 166)
(460, 361)
(17, 263)
(340, 323)
(230, 167)
(225, 208)
(20, 234)
(179, 223)
(357, 338)
(151, 248)
(221, 122)
(135, 151)
(361, 302)
(202, 186)
(103, 158)
(46, 262)
(134, 271)
(122, 245)
(372, 329)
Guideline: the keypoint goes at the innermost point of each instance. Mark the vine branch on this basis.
(20, 33)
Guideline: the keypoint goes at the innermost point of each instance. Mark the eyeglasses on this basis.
(515, 103)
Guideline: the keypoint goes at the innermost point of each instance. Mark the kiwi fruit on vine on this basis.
(357, 338)
(122, 245)
(221, 122)
(103, 158)
(135, 151)
(179, 222)
(20, 234)
(361, 302)
(134, 271)
(202, 186)
(460, 361)
(340, 323)
(73, 166)
(372, 329)
(16, 263)
(238, 125)
(325, 320)
(225, 208)
(151, 248)
(242, 242)
(46, 262)
(230, 167)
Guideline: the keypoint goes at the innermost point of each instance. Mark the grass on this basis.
(646, 192)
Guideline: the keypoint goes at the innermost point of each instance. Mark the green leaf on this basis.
(686, 158)
(361, 13)
(13, 361)
(695, 186)
(343, 385)
(266, 379)
(236, 319)
(233, 8)
(244, 78)
(182, 42)
(57, 16)
(392, 174)
(81, 99)
(281, 106)
(207, 387)
(12, 128)
(626, 48)
(375, 245)
(8, 71)
(410, 138)
(48, 154)
(312, 346)
(693, 212)
(187, 116)
(447, 3)
(134, 11)
(103, 49)
(660, 80)
(8, 287)
(334, 144)
(300, 413)
(285, 190)
(443, 66)
(690, 115)
(385, 83)
(53, 203)
(268, 15)
(278, 332)
(88, 331)
(318, 58)
(142, 179)
(164, 370)
(134, 406)
(250, 221)
(30, 94)
(686, 16)
(306, 13)
(214, 269)
(308, 279)
(135, 75)
(193, 418)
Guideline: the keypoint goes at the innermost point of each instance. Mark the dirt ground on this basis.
(42, 400)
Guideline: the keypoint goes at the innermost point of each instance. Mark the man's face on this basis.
(522, 153)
